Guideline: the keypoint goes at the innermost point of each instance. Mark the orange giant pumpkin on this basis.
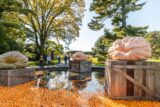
(130, 48)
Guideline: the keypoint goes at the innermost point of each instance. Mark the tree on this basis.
(10, 28)
(52, 19)
(8, 6)
(53, 46)
(102, 45)
(117, 11)
(154, 39)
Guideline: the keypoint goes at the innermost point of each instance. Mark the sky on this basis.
(148, 16)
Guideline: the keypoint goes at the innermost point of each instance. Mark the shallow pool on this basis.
(84, 82)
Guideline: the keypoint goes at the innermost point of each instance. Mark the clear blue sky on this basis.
(149, 15)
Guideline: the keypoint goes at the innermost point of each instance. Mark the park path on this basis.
(63, 66)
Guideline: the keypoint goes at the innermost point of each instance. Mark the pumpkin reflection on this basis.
(79, 80)
(81, 84)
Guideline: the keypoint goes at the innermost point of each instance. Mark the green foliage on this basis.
(33, 63)
(154, 60)
(56, 20)
(154, 40)
(136, 31)
(54, 62)
(117, 11)
(11, 34)
(100, 64)
(102, 44)
(30, 55)
(31, 51)
(36, 63)
(51, 45)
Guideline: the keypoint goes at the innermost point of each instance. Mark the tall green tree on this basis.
(10, 28)
(117, 11)
(52, 19)
(102, 45)
(9, 5)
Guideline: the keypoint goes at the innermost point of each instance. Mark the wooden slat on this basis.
(80, 66)
(16, 76)
(106, 76)
(119, 85)
(150, 78)
(85, 66)
(157, 81)
(144, 82)
(111, 74)
(138, 76)
(74, 66)
(137, 67)
(110, 79)
(130, 85)
(134, 98)
(136, 83)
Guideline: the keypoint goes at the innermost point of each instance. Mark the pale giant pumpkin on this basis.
(79, 56)
(130, 48)
(13, 59)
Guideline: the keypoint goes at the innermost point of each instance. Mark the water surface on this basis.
(84, 82)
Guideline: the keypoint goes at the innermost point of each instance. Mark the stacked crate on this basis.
(80, 66)
(16, 76)
(137, 80)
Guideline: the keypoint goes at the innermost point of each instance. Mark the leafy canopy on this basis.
(52, 20)
(10, 28)
(117, 11)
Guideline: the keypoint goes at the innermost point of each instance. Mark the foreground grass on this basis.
(27, 95)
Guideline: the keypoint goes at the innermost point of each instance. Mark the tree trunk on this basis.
(41, 50)
(41, 46)
(123, 15)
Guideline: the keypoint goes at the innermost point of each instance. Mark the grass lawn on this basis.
(100, 64)
(154, 60)
(36, 63)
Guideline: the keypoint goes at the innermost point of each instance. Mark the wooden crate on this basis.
(134, 80)
(80, 66)
(16, 76)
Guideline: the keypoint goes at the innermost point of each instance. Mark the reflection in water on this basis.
(38, 82)
(90, 82)
(79, 80)
(59, 81)
(79, 76)
(94, 85)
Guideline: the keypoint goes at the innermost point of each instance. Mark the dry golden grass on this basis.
(27, 95)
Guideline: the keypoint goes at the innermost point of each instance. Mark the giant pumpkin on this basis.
(12, 60)
(130, 48)
(79, 56)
